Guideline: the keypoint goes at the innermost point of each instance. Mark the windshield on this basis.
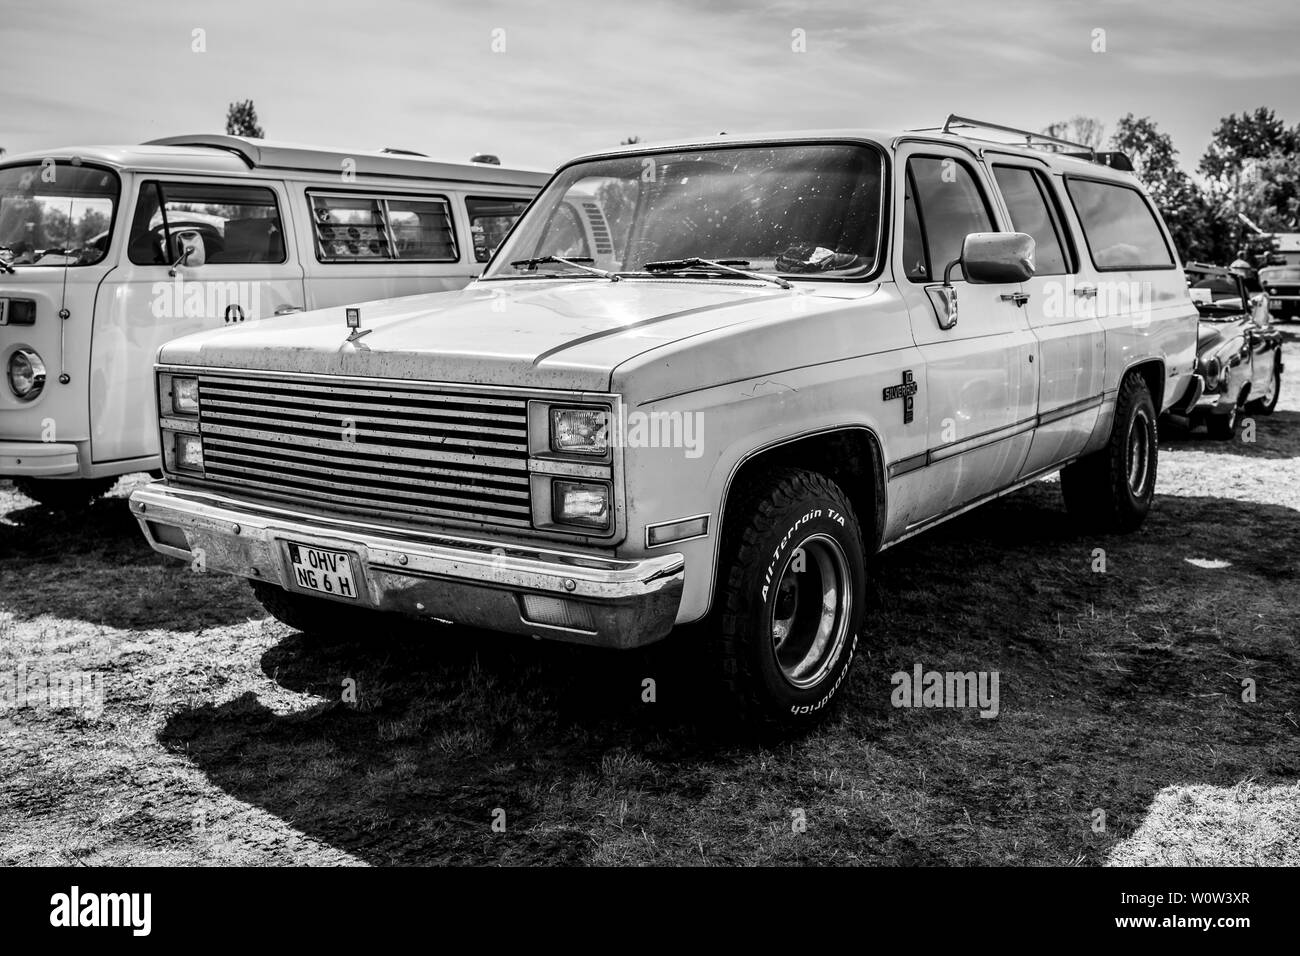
(802, 210)
(56, 214)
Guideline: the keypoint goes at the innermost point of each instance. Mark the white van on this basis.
(107, 252)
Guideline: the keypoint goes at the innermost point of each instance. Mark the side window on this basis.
(221, 223)
(1034, 211)
(949, 206)
(1119, 225)
(489, 221)
(351, 227)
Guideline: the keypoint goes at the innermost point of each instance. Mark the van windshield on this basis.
(56, 214)
(805, 210)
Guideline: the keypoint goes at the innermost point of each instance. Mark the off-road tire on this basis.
(1097, 489)
(64, 494)
(768, 520)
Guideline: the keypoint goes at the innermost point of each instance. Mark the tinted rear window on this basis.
(1119, 225)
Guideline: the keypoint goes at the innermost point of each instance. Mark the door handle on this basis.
(1086, 291)
(1019, 298)
(288, 309)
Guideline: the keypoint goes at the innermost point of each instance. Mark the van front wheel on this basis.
(1111, 490)
(64, 494)
(791, 599)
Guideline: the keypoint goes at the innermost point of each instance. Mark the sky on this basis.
(536, 83)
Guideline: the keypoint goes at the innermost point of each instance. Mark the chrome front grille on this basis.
(385, 449)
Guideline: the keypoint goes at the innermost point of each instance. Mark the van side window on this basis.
(219, 223)
(352, 227)
(489, 221)
(1119, 226)
(1034, 211)
(949, 205)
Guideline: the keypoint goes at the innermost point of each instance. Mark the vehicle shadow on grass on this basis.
(1114, 685)
(94, 565)
(1275, 436)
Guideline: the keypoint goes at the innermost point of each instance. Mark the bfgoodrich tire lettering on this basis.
(1111, 489)
(792, 599)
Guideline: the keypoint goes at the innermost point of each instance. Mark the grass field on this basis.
(224, 736)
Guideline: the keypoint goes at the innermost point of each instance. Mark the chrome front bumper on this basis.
(422, 574)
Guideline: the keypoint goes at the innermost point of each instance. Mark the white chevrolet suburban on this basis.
(774, 357)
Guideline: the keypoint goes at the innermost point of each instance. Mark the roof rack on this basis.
(1115, 160)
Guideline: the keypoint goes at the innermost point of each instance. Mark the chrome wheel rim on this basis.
(809, 620)
(1139, 453)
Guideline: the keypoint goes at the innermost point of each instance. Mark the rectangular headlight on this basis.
(185, 395)
(580, 431)
(189, 452)
(584, 503)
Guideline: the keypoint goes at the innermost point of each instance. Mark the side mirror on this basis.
(989, 257)
(189, 250)
(986, 257)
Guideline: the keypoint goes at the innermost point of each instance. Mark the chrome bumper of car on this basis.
(585, 598)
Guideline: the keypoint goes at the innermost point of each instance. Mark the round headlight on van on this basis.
(26, 374)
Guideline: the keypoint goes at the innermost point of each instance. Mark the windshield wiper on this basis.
(728, 266)
(577, 262)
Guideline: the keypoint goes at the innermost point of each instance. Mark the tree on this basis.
(630, 141)
(1202, 228)
(1270, 194)
(1250, 136)
(241, 120)
(1078, 129)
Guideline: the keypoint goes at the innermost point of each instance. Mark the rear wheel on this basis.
(792, 599)
(317, 617)
(1111, 489)
(64, 494)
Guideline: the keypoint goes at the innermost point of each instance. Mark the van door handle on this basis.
(1019, 298)
(1086, 291)
(288, 309)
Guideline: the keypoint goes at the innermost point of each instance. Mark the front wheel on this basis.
(64, 494)
(792, 597)
(1111, 489)
(1222, 426)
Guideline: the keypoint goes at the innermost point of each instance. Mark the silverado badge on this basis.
(905, 391)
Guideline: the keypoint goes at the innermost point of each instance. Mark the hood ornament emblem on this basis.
(354, 323)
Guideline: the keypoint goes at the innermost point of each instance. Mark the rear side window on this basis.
(353, 227)
(1034, 212)
(489, 221)
(218, 223)
(943, 204)
(1119, 226)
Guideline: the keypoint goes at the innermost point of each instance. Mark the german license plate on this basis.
(324, 571)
